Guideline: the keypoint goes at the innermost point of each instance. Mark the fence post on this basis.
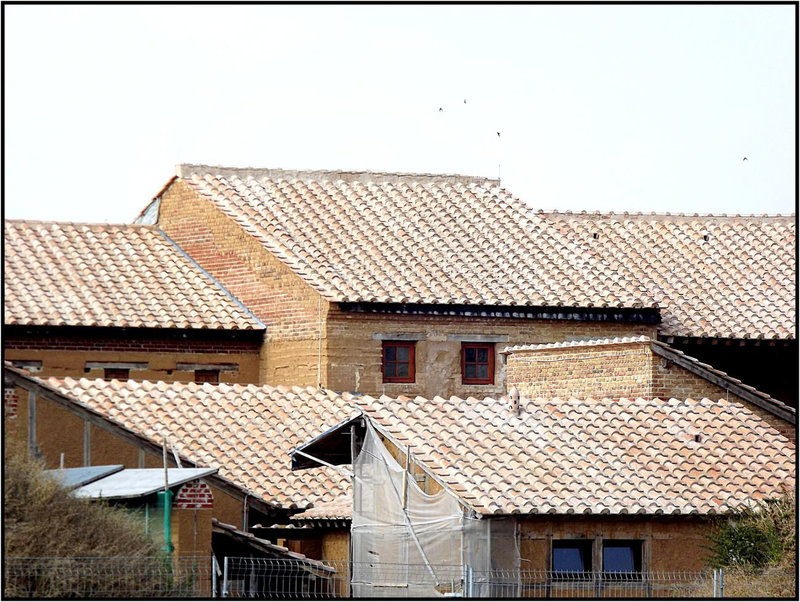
(468, 581)
(721, 584)
(225, 578)
(213, 576)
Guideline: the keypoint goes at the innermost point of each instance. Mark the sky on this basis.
(634, 108)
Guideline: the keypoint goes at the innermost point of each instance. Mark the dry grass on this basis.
(42, 519)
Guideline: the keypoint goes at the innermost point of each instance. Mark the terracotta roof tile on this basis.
(246, 431)
(557, 456)
(62, 274)
(726, 276)
(402, 238)
(567, 456)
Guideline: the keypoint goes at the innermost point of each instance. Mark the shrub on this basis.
(754, 538)
(43, 519)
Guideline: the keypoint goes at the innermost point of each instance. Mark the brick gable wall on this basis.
(629, 370)
(292, 311)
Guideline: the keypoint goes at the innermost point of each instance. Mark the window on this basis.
(572, 558)
(477, 363)
(118, 373)
(206, 376)
(398, 362)
(622, 556)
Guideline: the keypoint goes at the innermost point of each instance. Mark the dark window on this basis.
(622, 556)
(572, 558)
(206, 376)
(398, 362)
(118, 373)
(477, 363)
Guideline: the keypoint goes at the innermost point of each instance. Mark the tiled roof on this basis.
(62, 274)
(578, 343)
(246, 431)
(339, 509)
(607, 456)
(592, 456)
(712, 276)
(404, 238)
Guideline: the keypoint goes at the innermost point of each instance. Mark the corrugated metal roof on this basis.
(75, 477)
(138, 482)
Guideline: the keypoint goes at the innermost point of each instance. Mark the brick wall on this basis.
(10, 402)
(671, 543)
(354, 355)
(290, 308)
(613, 371)
(597, 371)
(65, 352)
(195, 494)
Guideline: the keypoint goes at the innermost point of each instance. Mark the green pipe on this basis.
(166, 499)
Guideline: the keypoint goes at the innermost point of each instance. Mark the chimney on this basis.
(513, 398)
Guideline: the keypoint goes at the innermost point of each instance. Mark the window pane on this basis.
(622, 557)
(469, 371)
(483, 371)
(402, 370)
(391, 353)
(483, 355)
(402, 354)
(469, 355)
(388, 369)
(572, 558)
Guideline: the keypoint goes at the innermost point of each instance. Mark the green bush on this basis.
(754, 538)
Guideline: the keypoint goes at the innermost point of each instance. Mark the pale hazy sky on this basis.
(623, 108)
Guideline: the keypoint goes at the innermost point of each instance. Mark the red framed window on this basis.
(398, 362)
(477, 363)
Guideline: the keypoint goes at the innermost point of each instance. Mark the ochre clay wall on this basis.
(293, 312)
(59, 430)
(355, 358)
(64, 354)
(669, 543)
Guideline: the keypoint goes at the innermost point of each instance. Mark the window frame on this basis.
(489, 380)
(586, 546)
(412, 372)
(637, 548)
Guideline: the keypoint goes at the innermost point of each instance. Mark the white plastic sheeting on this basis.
(408, 543)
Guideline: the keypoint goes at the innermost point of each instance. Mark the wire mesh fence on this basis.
(182, 577)
(118, 577)
(272, 578)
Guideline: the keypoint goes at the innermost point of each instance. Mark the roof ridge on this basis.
(69, 223)
(364, 176)
(659, 215)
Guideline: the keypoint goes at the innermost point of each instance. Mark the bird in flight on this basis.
(498, 134)
(745, 159)
(441, 109)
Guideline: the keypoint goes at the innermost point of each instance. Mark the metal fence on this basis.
(118, 577)
(182, 578)
(272, 578)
